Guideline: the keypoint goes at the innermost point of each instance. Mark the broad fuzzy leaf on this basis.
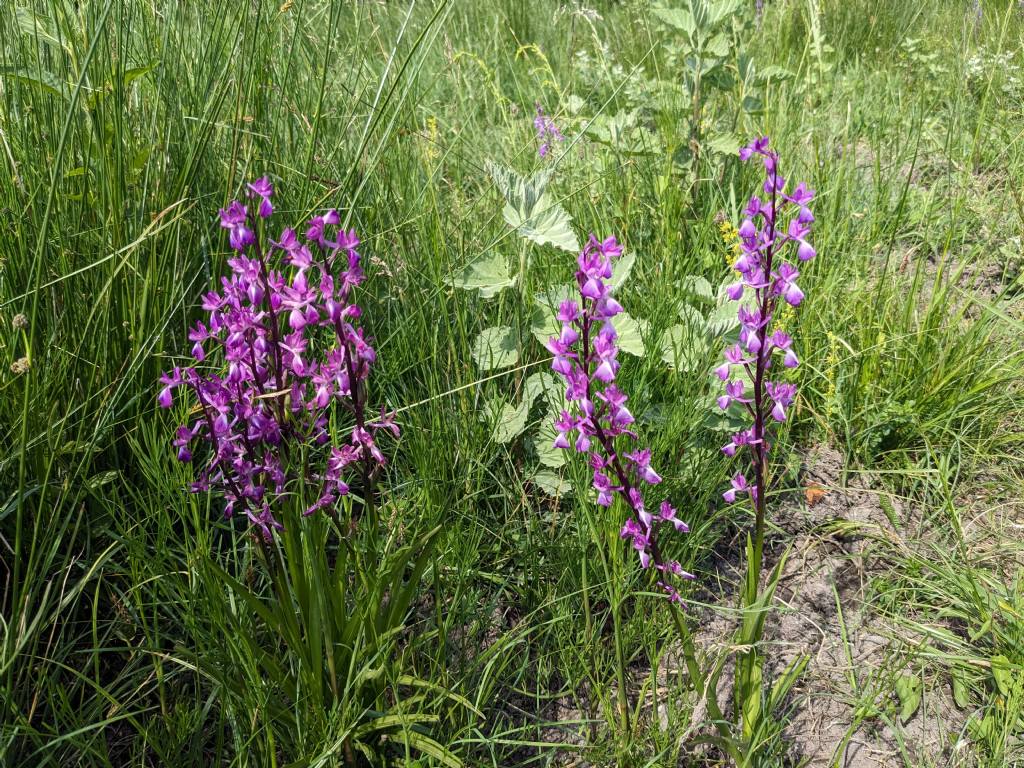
(489, 275)
(684, 345)
(630, 332)
(496, 348)
(543, 324)
(544, 445)
(510, 422)
(530, 210)
(698, 286)
(621, 270)
(550, 483)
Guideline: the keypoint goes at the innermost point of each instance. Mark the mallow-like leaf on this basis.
(550, 483)
(630, 334)
(684, 345)
(544, 445)
(697, 285)
(489, 275)
(495, 348)
(531, 211)
(621, 270)
(510, 421)
(543, 324)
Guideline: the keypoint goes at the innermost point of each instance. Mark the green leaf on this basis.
(718, 46)
(785, 682)
(630, 333)
(678, 18)
(908, 690)
(751, 702)
(509, 421)
(698, 286)
(140, 158)
(682, 349)
(543, 324)
(429, 747)
(495, 348)
(722, 319)
(1002, 674)
(983, 728)
(489, 275)
(684, 346)
(102, 478)
(621, 270)
(731, 420)
(961, 688)
(723, 144)
(775, 73)
(690, 316)
(544, 384)
(41, 79)
(622, 133)
(544, 445)
(718, 10)
(530, 210)
(573, 104)
(550, 483)
(33, 25)
(427, 685)
(131, 75)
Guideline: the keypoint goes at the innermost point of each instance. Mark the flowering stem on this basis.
(357, 399)
(761, 242)
(585, 355)
(268, 400)
(609, 448)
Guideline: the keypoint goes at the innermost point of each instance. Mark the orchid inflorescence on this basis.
(585, 355)
(264, 406)
(782, 219)
(547, 131)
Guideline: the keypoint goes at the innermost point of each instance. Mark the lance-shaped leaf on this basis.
(530, 209)
(37, 27)
(41, 79)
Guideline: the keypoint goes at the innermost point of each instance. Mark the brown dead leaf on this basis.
(813, 494)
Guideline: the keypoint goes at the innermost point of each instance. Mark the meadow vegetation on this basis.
(487, 612)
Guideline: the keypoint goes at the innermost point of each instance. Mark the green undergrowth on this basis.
(125, 125)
